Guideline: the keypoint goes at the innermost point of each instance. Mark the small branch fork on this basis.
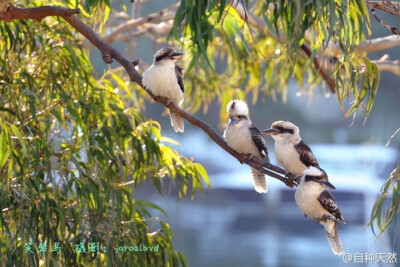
(392, 29)
(109, 53)
(386, 6)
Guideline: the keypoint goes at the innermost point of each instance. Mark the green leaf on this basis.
(375, 84)
(376, 210)
(151, 205)
(364, 11)
(166, 230)
(4, 146)
(4, 157)
(20, 139)
(106, 15)
(182, 259)
(169, 140)
(122, 84)
(203, 173)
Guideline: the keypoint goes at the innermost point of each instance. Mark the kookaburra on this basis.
(164, 78)
(244, 137)
(319, 205)
(291, 152)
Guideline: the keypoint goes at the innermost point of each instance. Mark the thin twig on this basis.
(325, 76)
(385, 6)
(393, 135)
(159, 231)
(386, 64)
(392, 29)
(162, 15)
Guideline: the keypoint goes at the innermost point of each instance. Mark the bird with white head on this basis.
(164, 78)
(319, 205)
(244, 137)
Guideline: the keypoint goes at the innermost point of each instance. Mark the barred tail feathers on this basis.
(176, 122)
(334, 239)
(260, 184)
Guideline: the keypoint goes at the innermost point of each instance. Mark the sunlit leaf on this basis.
(20, 139)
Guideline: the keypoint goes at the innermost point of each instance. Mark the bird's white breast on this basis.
(239, 138)
(162, 81)
(306, 197)
(289, 158)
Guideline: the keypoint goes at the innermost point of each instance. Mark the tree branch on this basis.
(386, 64)
(333, 50)
(387, 6)
(163, 15)
(392, 29)
(36, 13)
(161, 29)
(393, 135)
(331, 82)
(109, 53)
(383, 64)
(261, 26)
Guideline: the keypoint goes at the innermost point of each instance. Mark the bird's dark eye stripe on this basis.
(242, 117)
(288, 131)
(284, 130)
(310, 178)
(161, 57)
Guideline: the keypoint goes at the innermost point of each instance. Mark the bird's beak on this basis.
(176, 56)
(270, 131)
(327, 184)
(233, 121)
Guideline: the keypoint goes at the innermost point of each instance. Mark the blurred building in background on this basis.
(232, 225)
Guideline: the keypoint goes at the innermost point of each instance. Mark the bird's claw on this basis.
(136, 62)
(248, 158)
(291, 180)
(325, 217)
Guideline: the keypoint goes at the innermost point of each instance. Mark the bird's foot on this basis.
(324, 218)
(136, 62)
(169, 102)
(248, 158)
(291, 179)
(296, 179)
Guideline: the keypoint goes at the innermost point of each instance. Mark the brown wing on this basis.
(179, 76)
(259, 141)
(328, 202)
(306, 155)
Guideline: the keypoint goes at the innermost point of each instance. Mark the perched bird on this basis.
(291, 152)
(319, 205)
(244, 137)
(164, 78)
